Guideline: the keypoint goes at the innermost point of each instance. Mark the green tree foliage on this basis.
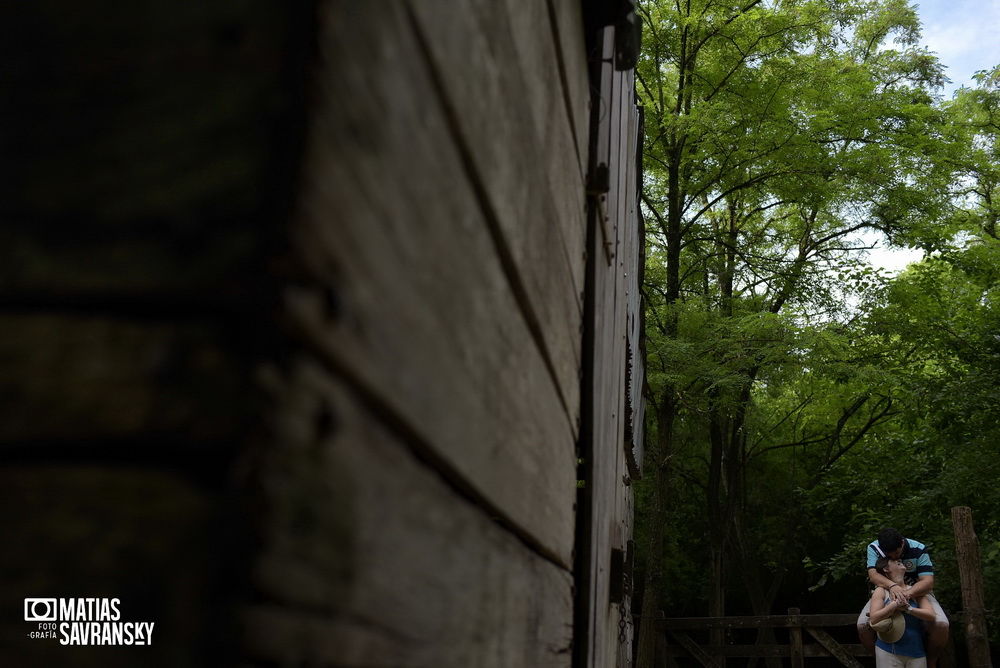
(939, 323)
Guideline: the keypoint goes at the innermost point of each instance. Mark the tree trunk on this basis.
(653, 586)
(971, 572)
(668, 405)
(759, 599)
(717, 503)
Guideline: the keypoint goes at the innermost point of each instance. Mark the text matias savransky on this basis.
(85, 621)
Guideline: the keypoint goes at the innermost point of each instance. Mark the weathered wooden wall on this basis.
(442, 215)
(615, 369)
(308, 322)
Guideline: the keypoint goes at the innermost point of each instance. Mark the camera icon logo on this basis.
(40, 609)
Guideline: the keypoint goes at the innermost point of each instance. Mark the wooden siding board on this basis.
(628, 532)
(473, 54)
(600, 480)
(567, 20)
(629, 315)
(423, 314)
(615, 279)
(609, 399)
(537, 58)
(392, 566)
(601, 156)
(616, 454)
(613, 109)
(606, 379)
(634, 325)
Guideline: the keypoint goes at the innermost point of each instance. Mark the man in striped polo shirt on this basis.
(918, 581)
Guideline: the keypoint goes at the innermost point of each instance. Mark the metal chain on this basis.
(622, 624)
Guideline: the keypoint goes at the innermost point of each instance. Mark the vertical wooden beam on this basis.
(970, 569)
(795, 633)
(661, 651)
(661, 654)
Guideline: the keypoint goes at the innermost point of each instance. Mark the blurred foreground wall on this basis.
(320, 332)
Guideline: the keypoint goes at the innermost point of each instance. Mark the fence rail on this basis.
(798, 625)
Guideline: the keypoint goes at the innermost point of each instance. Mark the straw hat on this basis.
(890, 629)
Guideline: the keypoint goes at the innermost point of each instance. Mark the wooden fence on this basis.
(807, 638)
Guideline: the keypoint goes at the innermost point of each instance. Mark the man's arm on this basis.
(897, 592)
(923, 586)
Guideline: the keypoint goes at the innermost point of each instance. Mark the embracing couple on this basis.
(902, 624)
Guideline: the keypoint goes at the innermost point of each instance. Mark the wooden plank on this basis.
(602, 469)
(568, 26)
(809, 651)
(624, 163)
(625, 263)
(370, 558)
(612, 510)
(795, 639)
(588, 532)
(855, 649)
(797, 653)
(694, 650)
(638, 437)
(621, 531)
(405, 291)
(601, 449)
(833, 647)
(612, 455)
(615, 137)
(599, 173)
(631, 269)
(538, 57)
(624, 636)
(662, 652)
(471, 50)
(752, 622)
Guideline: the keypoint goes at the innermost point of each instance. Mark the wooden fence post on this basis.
(970, 570)
(795, 635)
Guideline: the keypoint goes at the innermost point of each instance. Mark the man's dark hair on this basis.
(889, 540)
